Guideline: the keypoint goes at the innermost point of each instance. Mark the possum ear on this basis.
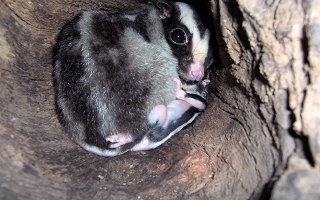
(164, 8)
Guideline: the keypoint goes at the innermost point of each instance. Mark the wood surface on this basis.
(258, 139)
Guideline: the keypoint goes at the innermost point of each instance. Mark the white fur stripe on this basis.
(199, 45)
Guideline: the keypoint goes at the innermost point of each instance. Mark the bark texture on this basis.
(258, 139)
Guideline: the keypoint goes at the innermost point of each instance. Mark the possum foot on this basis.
(119, 139)
(158, 115)
(180, 94)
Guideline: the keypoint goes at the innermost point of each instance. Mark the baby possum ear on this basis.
(164, 8)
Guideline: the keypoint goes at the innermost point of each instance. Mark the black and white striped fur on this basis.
(112, 72)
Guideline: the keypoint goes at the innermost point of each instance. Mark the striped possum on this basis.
(129, 82)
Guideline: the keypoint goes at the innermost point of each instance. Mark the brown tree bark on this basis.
(258, 139)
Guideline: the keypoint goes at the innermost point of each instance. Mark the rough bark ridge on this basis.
(258, 139)
(273, 64)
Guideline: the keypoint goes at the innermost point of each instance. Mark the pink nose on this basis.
(196, 75)
(196, 72)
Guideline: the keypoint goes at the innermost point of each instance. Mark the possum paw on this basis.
(180, 94)
(119, 139)
(158, 115)
(205, 82)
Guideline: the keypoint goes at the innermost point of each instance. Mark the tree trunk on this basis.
(258, 139)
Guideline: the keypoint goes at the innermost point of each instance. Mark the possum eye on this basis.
(178, 36)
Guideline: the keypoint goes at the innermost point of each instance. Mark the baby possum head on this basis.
(188, 39)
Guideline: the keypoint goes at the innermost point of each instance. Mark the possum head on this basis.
(188, 39)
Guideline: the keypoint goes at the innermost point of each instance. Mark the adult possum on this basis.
(118, 77)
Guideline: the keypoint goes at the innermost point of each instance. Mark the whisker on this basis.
(199, 53)
(193, 50)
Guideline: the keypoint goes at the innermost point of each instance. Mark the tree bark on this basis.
(258, 139)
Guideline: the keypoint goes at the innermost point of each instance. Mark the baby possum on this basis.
(176, 115)
(130, 82)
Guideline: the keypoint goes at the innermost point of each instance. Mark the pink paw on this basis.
(180, 94)
(158, 114)
(119, 139)
(205, 82)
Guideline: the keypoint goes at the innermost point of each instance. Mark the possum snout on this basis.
(196, 71)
